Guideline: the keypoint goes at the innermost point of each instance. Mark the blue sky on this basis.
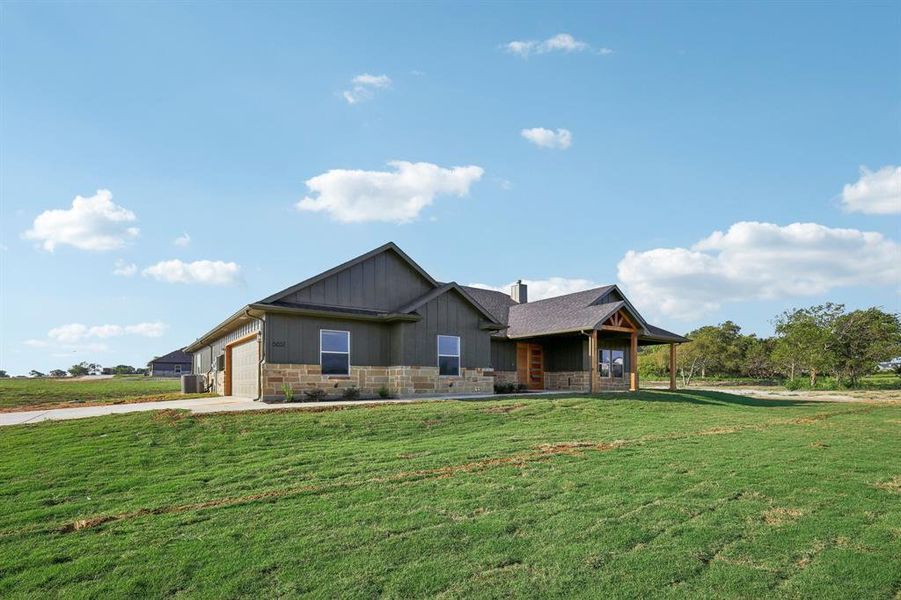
(216, 120)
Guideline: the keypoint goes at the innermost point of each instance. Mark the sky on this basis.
(164, 164)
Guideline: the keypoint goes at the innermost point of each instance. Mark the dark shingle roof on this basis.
(176, 356)
(571, 312)
(496, 303)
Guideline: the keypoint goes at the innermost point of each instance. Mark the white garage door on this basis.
(245, 369)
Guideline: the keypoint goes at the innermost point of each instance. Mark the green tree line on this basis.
(822, 340)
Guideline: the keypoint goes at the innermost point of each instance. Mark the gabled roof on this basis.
(390, 246)
(496, 303)
(562, 314)
(443, 289)
(176, 356)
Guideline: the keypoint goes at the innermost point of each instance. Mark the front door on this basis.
(530, 365)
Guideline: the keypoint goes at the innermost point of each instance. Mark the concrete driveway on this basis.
(198, 405)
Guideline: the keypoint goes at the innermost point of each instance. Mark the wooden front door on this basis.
(530, 365)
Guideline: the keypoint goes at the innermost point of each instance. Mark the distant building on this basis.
(889, 365)
(173, 364)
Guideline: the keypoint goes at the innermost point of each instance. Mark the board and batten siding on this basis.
(416, 344)
(503, 355)
(205, 358)
(295, 340)
(384, 282)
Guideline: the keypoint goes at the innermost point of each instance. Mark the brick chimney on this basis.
(519, 292)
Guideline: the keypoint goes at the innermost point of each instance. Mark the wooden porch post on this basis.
(593, 362)
(633, 384)
(672, 366)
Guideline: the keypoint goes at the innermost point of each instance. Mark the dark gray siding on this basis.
(293, 339)
(384, 281)
(503, 355)
(205, 358)
(565, 354)
(416, 344)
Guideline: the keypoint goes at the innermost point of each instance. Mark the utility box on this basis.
(192, 384)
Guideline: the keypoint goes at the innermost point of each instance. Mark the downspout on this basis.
(262, 354)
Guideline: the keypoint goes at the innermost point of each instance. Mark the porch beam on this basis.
(633, 353)
(672, 366)
(617, 328)
(593, 383)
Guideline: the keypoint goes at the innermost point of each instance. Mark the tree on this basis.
(757, 358)
(57, 373)
(863, 338)
(804, 338)
(123, 370)
(34, 373)
(80, 370)
(3, 374)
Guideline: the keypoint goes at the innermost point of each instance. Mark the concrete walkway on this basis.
(213, 405)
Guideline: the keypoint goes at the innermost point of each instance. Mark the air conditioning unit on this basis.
(192, 384)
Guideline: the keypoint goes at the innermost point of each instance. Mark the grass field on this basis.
(23, 394)
(678, 494)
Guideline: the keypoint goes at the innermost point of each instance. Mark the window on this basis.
(605, 363)
(449, 355)
(612, 363)
(617, 363)
(220, 362)
(334, 352)
(178, 369)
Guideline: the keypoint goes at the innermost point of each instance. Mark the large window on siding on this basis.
(334, 352)
(448, 355)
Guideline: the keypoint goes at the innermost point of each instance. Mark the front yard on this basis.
(681, 494)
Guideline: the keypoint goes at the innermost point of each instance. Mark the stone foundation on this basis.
(400, 381)
(506, 377)
(614, 385)
(576, 381)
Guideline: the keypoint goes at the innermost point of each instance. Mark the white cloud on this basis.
(365, 86)
(94, 223)
(539, 289)
(124, 269)
(876, 193)
(562, 42)
(206, 272)
(393, 196)
(182, 240)
(74, 333)
(548, 138)
(754, 261)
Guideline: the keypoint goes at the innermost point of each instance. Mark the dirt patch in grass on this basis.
(892, 485)
(781, 516)
(504, 408)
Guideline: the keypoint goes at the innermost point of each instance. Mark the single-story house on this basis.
(174, 364)
(381, 321)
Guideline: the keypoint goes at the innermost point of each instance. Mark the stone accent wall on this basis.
(577, 381)
(400, 381)
(506, 377)
(425, 381)
(614, 384)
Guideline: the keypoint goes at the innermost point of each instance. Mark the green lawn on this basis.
(22, 394)
(693, 494)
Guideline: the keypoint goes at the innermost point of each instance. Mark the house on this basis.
(381, 321)
(174, 364)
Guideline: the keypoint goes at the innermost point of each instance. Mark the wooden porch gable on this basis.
(619, 321)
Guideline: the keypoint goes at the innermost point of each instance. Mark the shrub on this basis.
(288, 392)
(351, 393)
(504, 388)
(793, 384)
(384, 392)
(522, 387)
(315, 395)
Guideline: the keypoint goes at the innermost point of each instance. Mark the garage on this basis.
(245, 369)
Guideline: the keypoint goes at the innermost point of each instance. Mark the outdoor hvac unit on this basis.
(192, 384)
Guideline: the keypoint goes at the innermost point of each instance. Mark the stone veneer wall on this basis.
(501, 377)
(400, 381)
(567, 380)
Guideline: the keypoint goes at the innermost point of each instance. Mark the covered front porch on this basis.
(604, 358)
